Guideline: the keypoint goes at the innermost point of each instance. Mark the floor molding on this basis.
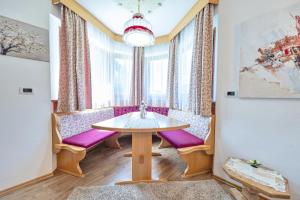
(218, 178)
(27, 183)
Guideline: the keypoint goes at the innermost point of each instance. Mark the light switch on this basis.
(231, 93)
(26, 91)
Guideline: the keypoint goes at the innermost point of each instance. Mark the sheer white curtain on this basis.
(111, 67)
(184, 60)
(155, 74)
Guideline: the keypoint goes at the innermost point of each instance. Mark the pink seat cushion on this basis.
(88, 138)
(180, 138)
(159, 110)
(121, 110)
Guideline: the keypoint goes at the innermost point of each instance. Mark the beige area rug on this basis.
(177, 190)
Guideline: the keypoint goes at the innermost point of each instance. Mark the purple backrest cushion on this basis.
(159, 110)
(122, 110)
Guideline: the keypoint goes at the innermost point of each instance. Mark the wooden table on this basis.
(253, 190)
(142, 130)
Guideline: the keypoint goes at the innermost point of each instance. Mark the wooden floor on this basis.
(103, 166)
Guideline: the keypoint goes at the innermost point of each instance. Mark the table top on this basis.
(132, 122)
(242, 172)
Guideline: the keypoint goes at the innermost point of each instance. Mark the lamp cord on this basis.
(139, 6)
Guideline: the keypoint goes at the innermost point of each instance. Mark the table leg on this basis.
(141, 156)
(246, 194)
(250, 194)
(237, 194)
(141, 159)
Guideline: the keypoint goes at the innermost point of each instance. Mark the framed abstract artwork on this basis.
(270, 55)
(23, 40)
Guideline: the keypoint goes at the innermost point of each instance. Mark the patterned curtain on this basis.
(137, 76)
(202, 64)
(75, 80)
(172, 84)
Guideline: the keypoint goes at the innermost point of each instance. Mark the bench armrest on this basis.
(71, 148)
(188, 150)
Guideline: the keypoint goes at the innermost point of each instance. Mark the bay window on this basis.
(111, 70)
(184, 62)
(155, 74)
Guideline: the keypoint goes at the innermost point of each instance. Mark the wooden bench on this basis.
(73, 137)
(195, 145)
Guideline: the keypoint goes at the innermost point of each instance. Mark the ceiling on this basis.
(164, 15)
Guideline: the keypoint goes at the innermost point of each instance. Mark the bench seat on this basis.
(88, 138)
(180, 138)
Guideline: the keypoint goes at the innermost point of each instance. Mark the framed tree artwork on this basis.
(23, 40)
(270, 55)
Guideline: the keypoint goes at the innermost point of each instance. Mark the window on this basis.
(122, 74)
(111, 68)
(215, 55)
(155, 74)
(54, 23)
(184, 61)
(158, 80)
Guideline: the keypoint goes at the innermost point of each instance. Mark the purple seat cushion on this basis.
(88, 138)
(159, 110)
(121, 110)
(181, 138)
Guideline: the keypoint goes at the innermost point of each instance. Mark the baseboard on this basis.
(27, 183)
(218, 178)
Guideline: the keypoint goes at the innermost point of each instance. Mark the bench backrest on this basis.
(122, 110)
(199, 125)
(159, 110)
(69, 124)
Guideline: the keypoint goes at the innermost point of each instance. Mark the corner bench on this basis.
(195, 145)
(73, 137)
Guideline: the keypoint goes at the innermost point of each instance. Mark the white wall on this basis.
(263, 129)
(25, 143)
